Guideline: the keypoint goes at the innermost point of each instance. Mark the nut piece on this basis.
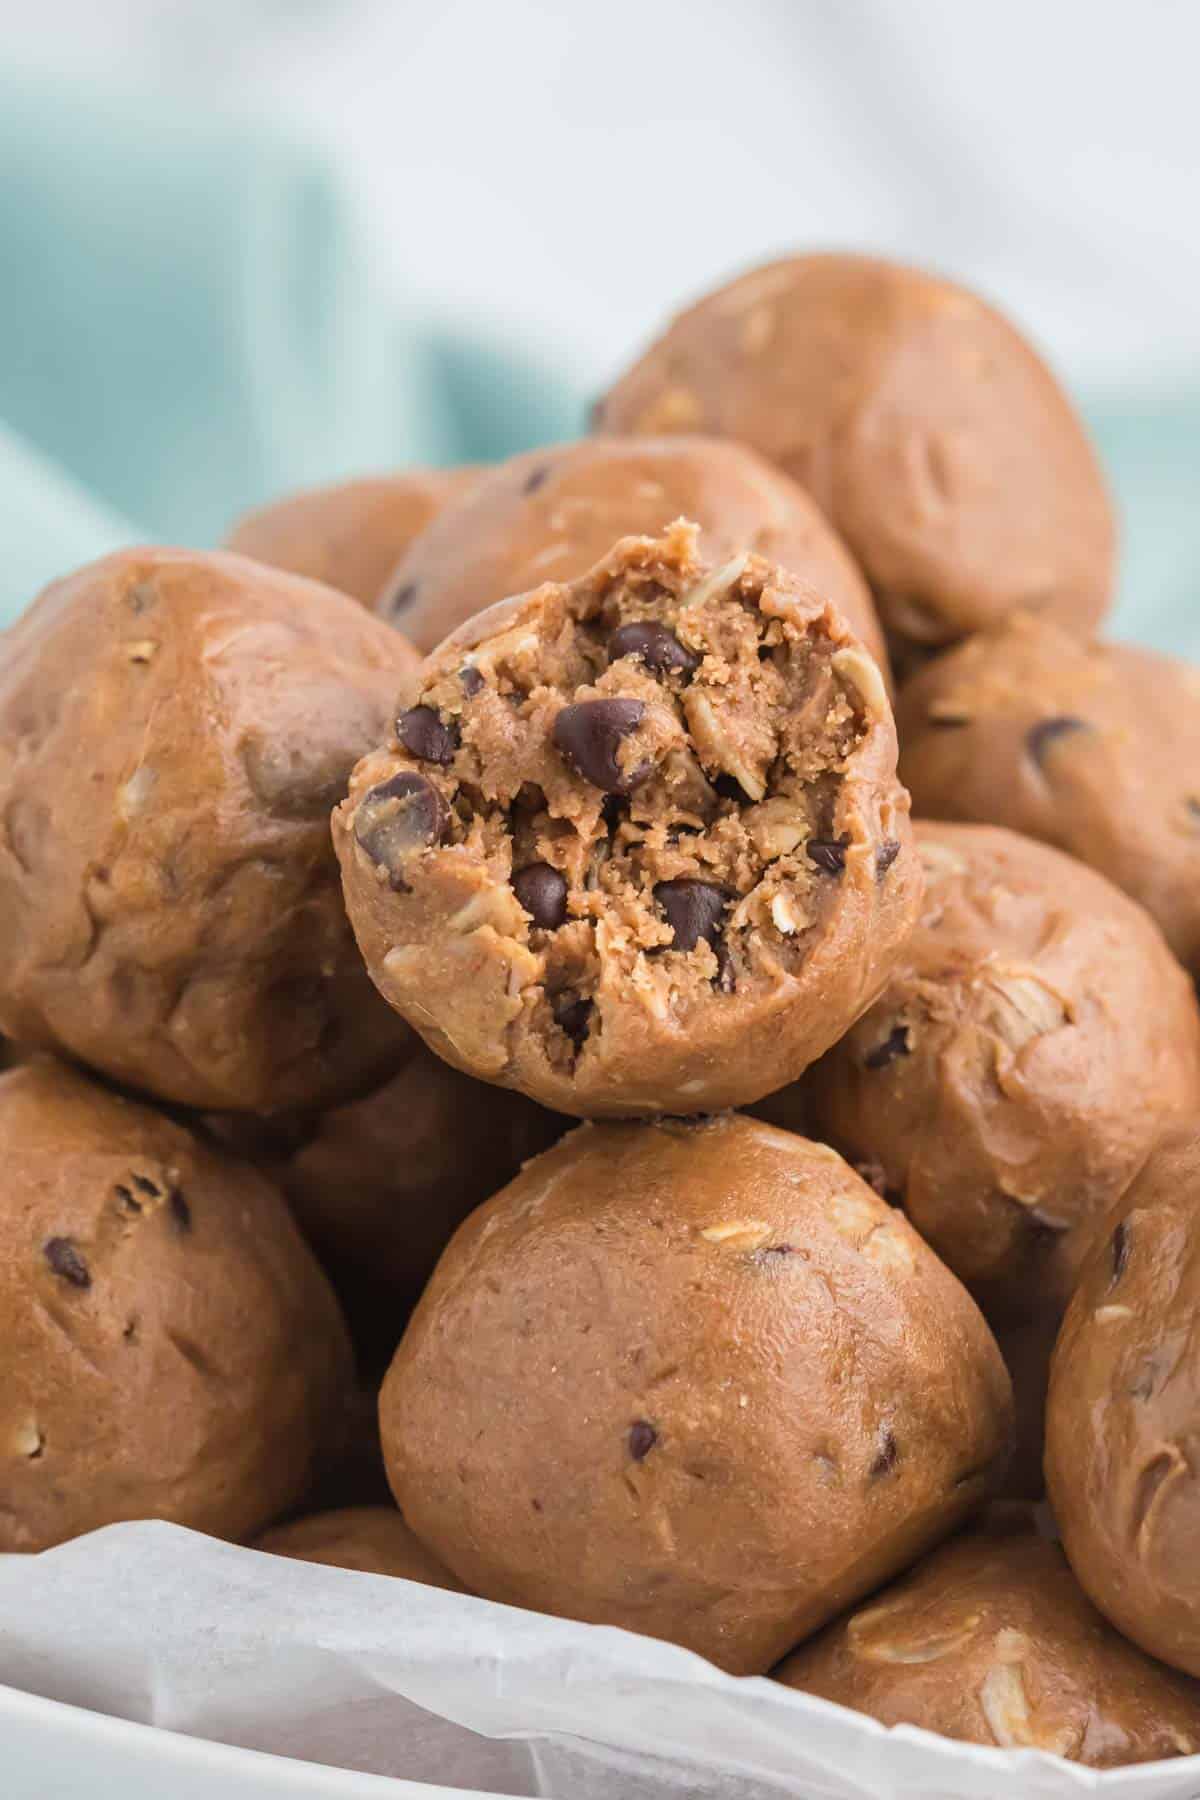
(715, 746)
(1019, 1007)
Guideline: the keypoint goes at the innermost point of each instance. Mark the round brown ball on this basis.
(174, 729)
(696, 1380)
(372, 1539)
(638, 845)
(992, 1640)
(170, 1348)
(549, 515)
(1124, 1411)
(922, 423)
(349, 536)
(1081, 745)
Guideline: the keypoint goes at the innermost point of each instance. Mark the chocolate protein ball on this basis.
(1124, 1413)
(696, 1380)
(550, 515)
(373, 1539)
(349, 536)
(170, 1349)
(992, 1640)
(1087, 746)
(928, 430)
(638, 845)
(174, 729)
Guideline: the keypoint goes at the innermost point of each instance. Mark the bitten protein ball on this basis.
(692, 1379)
(170, 1348)
(372, 1539)
(550, 515)
(1087, 746)
(991, 1639)
(174, 729)
(924, 426)
(1124, 1412)
(349, 536)
(638, 845)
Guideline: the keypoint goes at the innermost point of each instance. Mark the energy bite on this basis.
(924, 426)
(351, 535)
(637, 845)
(174, 729)
(170, 1348)
(550, 515)
(694, 1379)
(1087, 746)
(372, 1539)
(1124, 1410)
(992, 1640)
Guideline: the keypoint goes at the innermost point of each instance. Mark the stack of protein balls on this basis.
(880, 1121)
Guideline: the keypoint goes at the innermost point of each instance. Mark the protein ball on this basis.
(174, 729)
(992, 1640)
(373, 1539)
(637, 845)
(351, 535)
(696, 1380)
(1086, 746)
(1123, 1413)
(1012, 1078)
(924, 426)
(550, 515)
(170, 1348)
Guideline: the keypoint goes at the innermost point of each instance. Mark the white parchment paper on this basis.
(153, 1623)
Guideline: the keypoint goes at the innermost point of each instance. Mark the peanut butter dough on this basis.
(1123, 1418)
(1088, 746)
(638, 845)
(174, 729)
(372, 1539)
(694, 1379)
(991, 1639)
(170, 1349)
(924, 426)
(550, 515)
(349, 536)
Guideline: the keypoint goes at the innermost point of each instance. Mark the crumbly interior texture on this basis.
(991, 1640)
(642, 807)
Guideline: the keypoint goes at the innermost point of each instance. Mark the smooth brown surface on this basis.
(170, 1349)
(760, 765)
(349, 536)
(924, 426)
(174, 729)
(549, 515)
(1124, 1412)
(1087, 746)
(373, 1539)
(692, 1379)
(992, 1640)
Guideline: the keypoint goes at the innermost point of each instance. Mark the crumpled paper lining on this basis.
(164, 1626)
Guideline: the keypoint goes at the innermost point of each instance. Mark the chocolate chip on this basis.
(642, 1439)
(1039, 737)
(404, 814)
(1119, 1251)
(472, 681)
(730, 788)
(612, 810)
(427, 736)
(894, 1044)
(888, 1456)
(144, 1185)
(694, 910)
(573, 1015)
(64, 1258)
(401, 600)
(181, 1212)
(778, 1250)
(589, 734)
(125, 1196)
(885, 855)
(542, 891)
(828, 854)
(536, 478)
(654, 645)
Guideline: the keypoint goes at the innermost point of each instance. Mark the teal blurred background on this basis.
(207, 302)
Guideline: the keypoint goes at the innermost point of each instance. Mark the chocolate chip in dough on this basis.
(694, 910)
(404, 814)
(642, 1439)
(181, 1212)
(401, 600)
(542, 891)
(536, 478)
(894, 1044)
(472, 681)
(1046, 732)
(589, 733)
(427, 736)
(828, 854)
(885, 856)
(654, 645)
(64, 1258)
